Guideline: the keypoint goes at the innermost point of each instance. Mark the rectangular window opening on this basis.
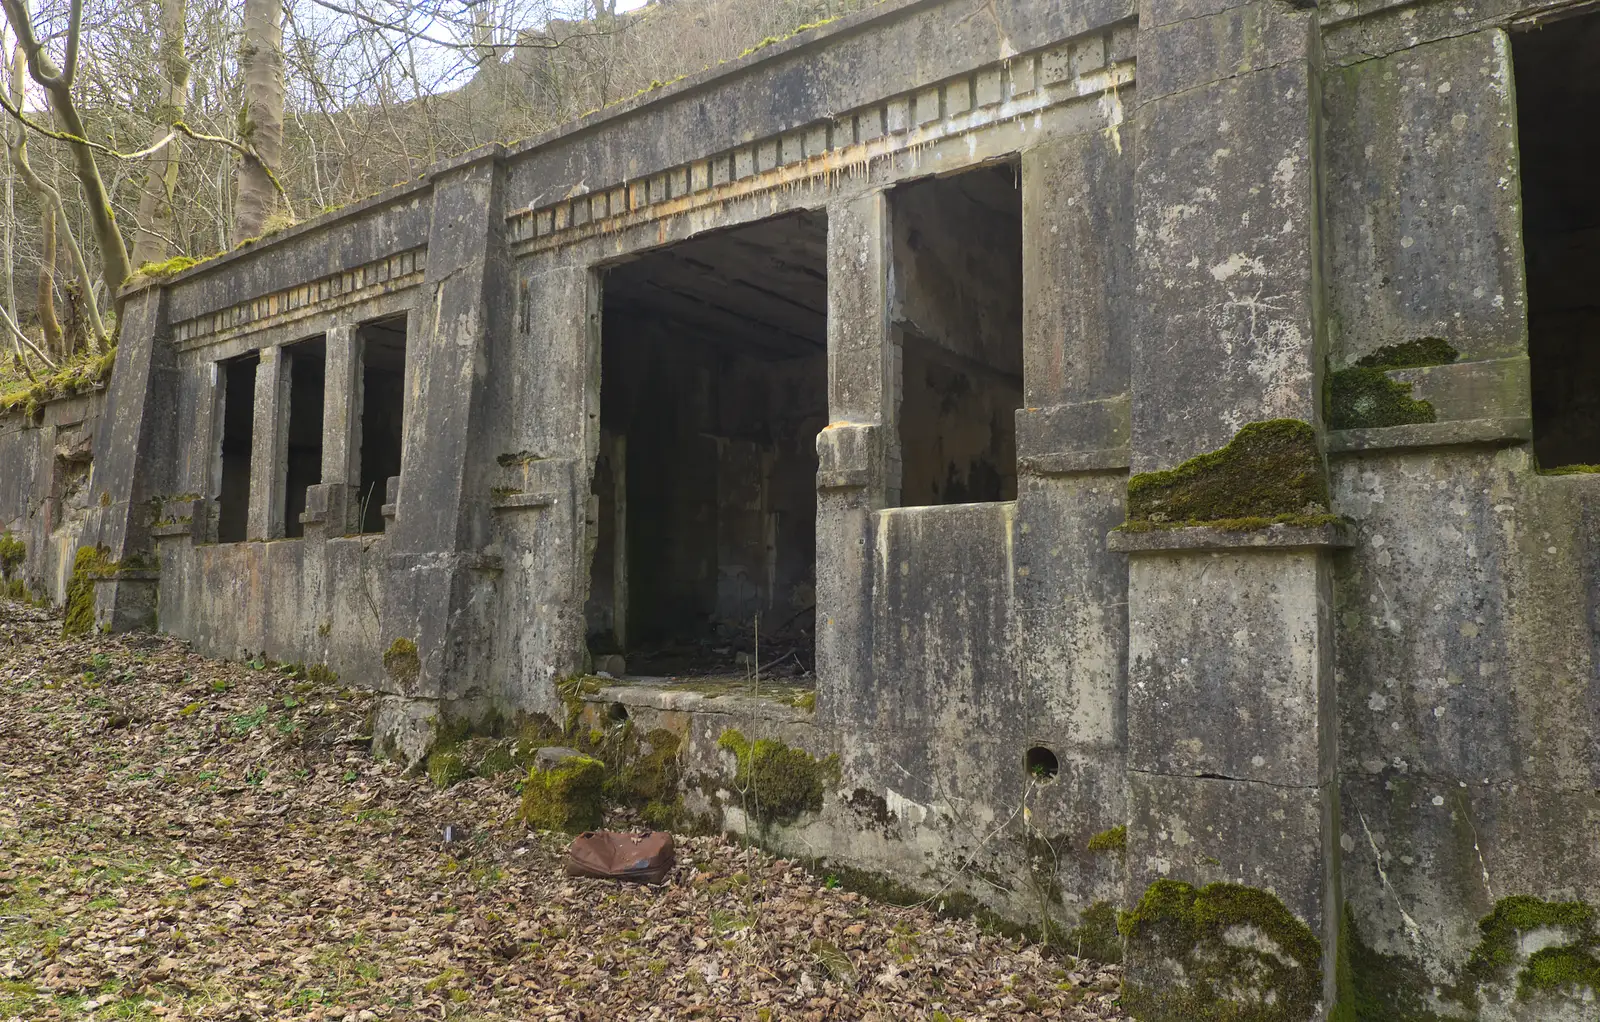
(308, 366)
(238, 441)
(714, 373)
(956, 313)
(383, 402)
(1558, 88)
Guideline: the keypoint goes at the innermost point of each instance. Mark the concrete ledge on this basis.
(1062, 463)
(176, 529)
(1202, 537)
(1432, 434)
(686, 697)
(516, 501)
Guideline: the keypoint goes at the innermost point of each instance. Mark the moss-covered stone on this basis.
(446, 767)
(780, 783)
(12, 553)
(1271, 472)
(1224, 953)
(1096, 936)
(568, 796)
(1363, 396)
(1564, 967)
(89, 564)
(402, 662)
(643, 773)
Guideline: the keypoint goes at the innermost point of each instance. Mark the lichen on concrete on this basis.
(1226, 952)
(1270, 473)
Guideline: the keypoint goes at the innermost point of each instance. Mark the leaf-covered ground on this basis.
(183, 837)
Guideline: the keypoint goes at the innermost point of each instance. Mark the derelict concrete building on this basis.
(1144, 414)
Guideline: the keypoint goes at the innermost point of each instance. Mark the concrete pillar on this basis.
(332, 505)
(858, 453)
(135, 452)
(435, 617)
(269, 466)
(1232, 849)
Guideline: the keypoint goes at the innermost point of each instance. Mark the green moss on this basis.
(1242, 956)
(445, 767)
(1570, 470)
(12, 553)
(779, 782)
(1417, 354)
(1364, 397)
(1571, 964)
(1377, 987)
(402, 662)
(806, 701)
(167, 268)
(1096, 936)
(86, 373)
(567, 797)
(1271, 471)
(89, 564)
(497, 759)
(322, 674)
(1113, 840)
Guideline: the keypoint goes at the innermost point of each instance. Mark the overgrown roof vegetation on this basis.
(85, 373)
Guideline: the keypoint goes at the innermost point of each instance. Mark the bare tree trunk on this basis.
(57, 83)
(261, 117)
(14, 65)
(152, 242)
(46, 299)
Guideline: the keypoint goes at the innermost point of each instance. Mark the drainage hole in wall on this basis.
(1041, 763)
(618, 713)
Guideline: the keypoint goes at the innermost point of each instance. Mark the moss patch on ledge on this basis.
(1241, 955)
(1364, 397)
(88, 372)
(1270, 473)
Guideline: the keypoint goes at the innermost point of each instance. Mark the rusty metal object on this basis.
(645, 858)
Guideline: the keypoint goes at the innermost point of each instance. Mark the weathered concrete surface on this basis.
(1386, 721)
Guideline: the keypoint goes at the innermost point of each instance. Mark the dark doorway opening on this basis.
(957, 316)
(1558, 89)
(714, 386)
(238, 441)
(308, 367)
(383, 404)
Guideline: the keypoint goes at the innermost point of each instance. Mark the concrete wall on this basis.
(1339, 755)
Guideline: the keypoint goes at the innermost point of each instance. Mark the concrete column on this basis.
(859, 452)
(332, 504)
(1232, 852)
(436, 628)
(135, 457)
(269, 465)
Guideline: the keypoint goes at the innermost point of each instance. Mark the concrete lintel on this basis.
(1205, 537)
(1062, 463)
(1460, 432)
